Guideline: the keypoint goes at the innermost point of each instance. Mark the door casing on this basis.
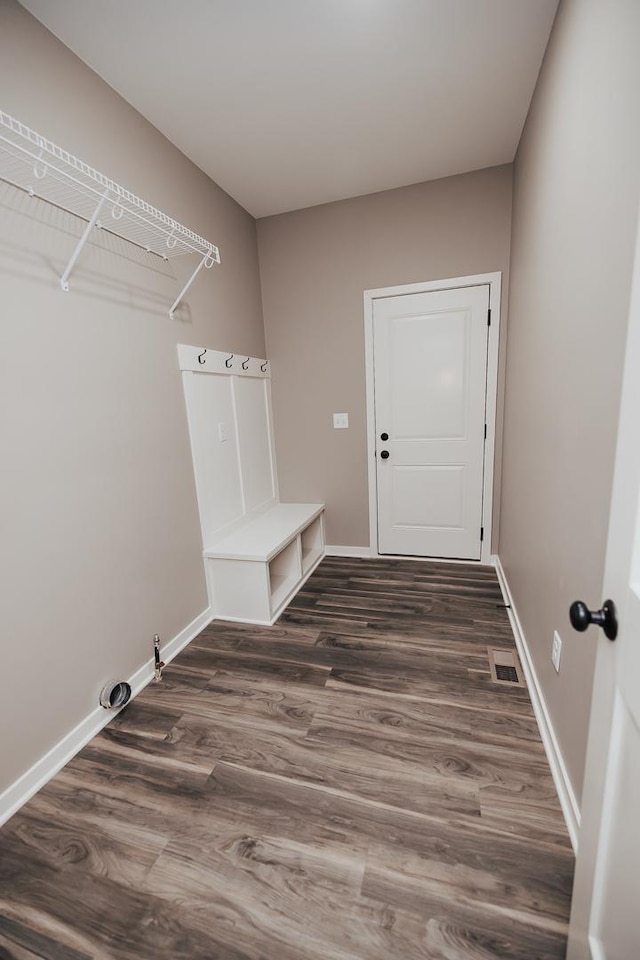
(494, 280)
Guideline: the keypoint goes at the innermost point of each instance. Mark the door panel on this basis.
(429, 358)
(430, 371)
(604, 917)
(620, 940)
(429, 496)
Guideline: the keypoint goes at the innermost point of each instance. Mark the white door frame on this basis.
(494, 281)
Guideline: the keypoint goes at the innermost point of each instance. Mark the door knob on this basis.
(581, 617)
(384, 455)
(384, 436)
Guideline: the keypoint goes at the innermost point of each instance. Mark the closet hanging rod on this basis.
(28, 159)
(103, 226)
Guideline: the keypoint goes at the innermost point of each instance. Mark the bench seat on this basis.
(263, 537)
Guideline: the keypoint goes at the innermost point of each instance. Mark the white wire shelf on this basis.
(32, 163)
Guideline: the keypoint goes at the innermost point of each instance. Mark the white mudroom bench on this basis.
(254, 571)
(257, 551)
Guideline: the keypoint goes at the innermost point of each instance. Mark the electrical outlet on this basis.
(556, 650)
(223, 433)
(340, 421)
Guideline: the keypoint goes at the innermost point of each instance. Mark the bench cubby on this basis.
(253, 572)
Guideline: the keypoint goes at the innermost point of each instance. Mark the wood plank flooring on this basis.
(346, 785)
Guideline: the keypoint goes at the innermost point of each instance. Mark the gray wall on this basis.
(100, 535)
(314, 266)
(575, 204)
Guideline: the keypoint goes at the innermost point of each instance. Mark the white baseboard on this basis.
(596, 948)
(567, 797)
(33, 779)
(358, 553)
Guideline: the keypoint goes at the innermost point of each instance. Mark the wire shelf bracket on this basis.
(36, 165)
(207, 262)
(64, 279)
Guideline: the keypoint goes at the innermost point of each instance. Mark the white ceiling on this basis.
(291, 103)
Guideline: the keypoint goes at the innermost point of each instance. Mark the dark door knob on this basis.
(384, 436)
(384, 455)
(581, 617)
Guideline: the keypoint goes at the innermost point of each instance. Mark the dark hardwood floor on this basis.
(346, 785)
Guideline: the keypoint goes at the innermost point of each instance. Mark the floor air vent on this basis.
(506, 673)
(505, 667)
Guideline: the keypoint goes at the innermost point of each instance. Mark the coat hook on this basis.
(201, 356)
(245, 363)
(227, 362)
(263, 366)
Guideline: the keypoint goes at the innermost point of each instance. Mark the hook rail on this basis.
(205, 360)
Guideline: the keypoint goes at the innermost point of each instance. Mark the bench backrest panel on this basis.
(230, 425)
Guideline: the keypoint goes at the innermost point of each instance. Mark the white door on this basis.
(430, 383)
(605, 919)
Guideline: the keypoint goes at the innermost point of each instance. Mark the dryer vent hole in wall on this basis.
(505, 667)
(115, 694)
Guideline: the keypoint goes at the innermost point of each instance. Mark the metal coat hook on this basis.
(245, 363)
(263, 366)
(201, 356)
(227, 362)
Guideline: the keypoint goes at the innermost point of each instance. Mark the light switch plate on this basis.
(340, 421)
(223, 433)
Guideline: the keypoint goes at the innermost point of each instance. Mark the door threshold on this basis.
(409, 556)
